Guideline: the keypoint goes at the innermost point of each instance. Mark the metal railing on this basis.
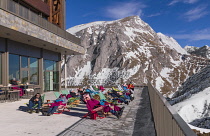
(32, 17)
(167, 120)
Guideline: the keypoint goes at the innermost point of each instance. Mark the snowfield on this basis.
(196, 107)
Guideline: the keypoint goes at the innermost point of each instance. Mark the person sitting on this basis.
(93, 106)
(14, 84)
(73, 93)
(131, 86)
(13, 81)
(54, 106)
(33, 101)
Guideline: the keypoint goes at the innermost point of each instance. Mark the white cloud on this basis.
(154, 15)
(124, 9)
(203, 34)
(196, 13)
(183, 1)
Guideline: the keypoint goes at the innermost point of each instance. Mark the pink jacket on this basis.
(91, 104)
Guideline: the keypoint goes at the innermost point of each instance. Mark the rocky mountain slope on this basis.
(192, 99)
(130, 50)
(202, 51)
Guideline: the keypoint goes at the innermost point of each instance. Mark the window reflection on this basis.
(24, 77)
(24, 62)
(14, 67)
(49, 65)
(50, 76)
(33, 71)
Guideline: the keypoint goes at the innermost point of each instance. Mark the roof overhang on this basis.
(21, 30)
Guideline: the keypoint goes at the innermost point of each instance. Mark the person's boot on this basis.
(48, 114)
(115, 113)
(121, 111)
(37, 111)
(126, 102)
(30, 111)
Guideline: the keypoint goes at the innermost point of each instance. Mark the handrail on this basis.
(24, 13)
(167, 120)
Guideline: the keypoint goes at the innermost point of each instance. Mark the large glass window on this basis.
(0, 69)
(49, 65)
(23, 68)
(34, 71)
(50, 76)
(14, 67)
(24, 62)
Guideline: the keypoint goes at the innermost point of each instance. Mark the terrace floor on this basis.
(136, 120)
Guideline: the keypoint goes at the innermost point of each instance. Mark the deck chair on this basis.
(65, 92)
(57, 94)
(91, 88)
(61, 109)
(115, 89)
(96, 89)
(120, 88)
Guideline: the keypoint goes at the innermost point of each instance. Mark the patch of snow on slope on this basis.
(194, 107)
(75, 29)
(86, 70)
(172, 43)
(104, 74)
(133, 70)
(202, 130)
(159, 83)
(165, 72)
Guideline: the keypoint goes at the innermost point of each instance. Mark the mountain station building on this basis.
(33, 40)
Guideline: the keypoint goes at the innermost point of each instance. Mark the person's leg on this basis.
(39, 106)
(49, 110)
(126, 96)
(30, 105)
(53, 110)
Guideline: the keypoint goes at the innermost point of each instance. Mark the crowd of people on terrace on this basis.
(96, 98)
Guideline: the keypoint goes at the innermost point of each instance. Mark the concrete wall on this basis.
(21, 25)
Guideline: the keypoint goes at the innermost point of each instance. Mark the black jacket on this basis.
(34, 97)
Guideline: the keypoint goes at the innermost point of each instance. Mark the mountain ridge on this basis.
(129, 49)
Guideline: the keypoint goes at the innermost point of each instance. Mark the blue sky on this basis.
(188, 21)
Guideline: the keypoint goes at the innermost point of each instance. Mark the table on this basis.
(2, 96)
(14, 95)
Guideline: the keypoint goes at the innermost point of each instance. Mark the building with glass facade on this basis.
(32, 42)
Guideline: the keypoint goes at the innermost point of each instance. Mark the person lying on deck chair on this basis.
(120, 96)
(93, 106)
(33, 101)
(54, 106)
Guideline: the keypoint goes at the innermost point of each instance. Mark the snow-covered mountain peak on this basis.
(129, 49)
(190, 48)
(171, 42)
(130, 21)
(75, 29)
